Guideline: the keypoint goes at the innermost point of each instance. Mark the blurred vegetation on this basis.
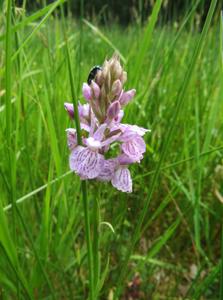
(127, 11)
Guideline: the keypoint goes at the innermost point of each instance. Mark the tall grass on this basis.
(168, 231)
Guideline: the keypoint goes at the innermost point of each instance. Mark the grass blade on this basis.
(146, 41)
(221, 64)
(163, 239)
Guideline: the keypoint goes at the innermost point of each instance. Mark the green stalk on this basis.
(8, 69)
(8, 73)
(96, 243)
(198, 176)
(11, 155)
(16, 130)
(221, 80)
(88, 239)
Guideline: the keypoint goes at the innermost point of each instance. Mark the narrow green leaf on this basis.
(146, 41)
(163, 239)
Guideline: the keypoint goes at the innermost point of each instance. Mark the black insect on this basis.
(93, 73)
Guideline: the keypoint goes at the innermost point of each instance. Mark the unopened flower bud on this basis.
(117, 70)
(71, 138)
(115, 67)
(87, 92)
(126, 97)
(119, 116)
(95, 89)
(116, 87)
(83, 110)
(113, 110)
(99, 78)
(105, 69)
(70, 109)
(123, 77)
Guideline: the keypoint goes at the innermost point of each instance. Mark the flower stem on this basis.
(88, 239)
(96, 243)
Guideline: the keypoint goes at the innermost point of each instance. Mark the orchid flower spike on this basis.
(101, 127)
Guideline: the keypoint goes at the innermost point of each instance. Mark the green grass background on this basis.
(169, 229)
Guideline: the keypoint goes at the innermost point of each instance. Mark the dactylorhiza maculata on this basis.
(103, 134)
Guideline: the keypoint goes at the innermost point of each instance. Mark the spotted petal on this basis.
(85, 162)
(99, 133)
(107, 172)
(75, 158)
(134, 148)
(128, 129)
(122, 180)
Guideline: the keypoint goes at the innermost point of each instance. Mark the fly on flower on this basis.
(100, 121)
